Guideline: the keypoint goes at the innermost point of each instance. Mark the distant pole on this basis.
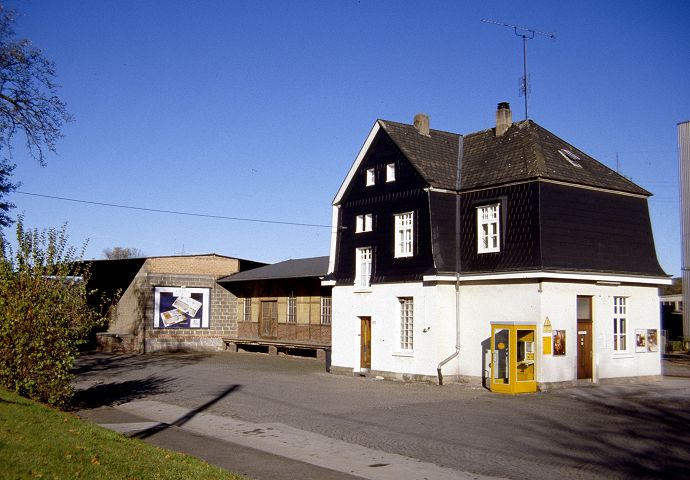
(526, 34)
(684, 177)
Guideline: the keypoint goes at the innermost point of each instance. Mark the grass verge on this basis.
(39, 442)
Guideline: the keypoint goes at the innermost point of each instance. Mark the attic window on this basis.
(571, 157)
(370, 178)
(390, 172)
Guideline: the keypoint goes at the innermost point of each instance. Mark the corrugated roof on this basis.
(297, 268)
(526, 151)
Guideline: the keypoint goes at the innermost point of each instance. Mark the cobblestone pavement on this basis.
(612, 431)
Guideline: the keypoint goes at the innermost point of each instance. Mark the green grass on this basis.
(39, 442)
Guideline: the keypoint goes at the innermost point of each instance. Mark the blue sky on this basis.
(257, 109)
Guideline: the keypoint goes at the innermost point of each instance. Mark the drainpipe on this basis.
(457, 263)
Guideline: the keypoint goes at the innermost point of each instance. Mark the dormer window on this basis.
(573, 159)
(390, 172)
(371, 180)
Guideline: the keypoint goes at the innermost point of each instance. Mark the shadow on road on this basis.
(186, 418)
(98, 362)
(118, 392)
(645, 435)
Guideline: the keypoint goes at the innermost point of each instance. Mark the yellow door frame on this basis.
(513, 359)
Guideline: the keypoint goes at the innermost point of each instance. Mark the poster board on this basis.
(558, 342)
(640, 340)
(178, 307)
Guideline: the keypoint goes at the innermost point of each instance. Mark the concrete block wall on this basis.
(212, 265)
(132, 318)
(222, 316)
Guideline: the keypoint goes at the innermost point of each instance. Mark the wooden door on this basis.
(268, 320)
(584, 349)
(365, 343)
(584, 337)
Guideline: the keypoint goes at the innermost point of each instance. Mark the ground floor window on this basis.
(620, 318)
(291, 309)
(406, 323)
(247, 316)
(326, 310)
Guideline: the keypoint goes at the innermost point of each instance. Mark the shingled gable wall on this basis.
(131, 326)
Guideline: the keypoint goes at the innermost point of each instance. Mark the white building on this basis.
(505, 256)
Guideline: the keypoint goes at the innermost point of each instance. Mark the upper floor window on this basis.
(364, 223)
(247, 316)
(404, 238)
(390, 172)
(620, 327)
(326, 310)
(406, 323)
(292, 309)
(363, 268)
(371, 179)
(488, 231)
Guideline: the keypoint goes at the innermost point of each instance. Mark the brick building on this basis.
(168, 303)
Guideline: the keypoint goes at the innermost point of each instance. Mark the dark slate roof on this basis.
(298, 268)
(526, 151)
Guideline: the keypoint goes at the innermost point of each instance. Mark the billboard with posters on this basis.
(177, 307)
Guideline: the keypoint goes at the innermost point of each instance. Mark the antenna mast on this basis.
(526, 34)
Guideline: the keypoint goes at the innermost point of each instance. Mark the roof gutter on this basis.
(458, 171)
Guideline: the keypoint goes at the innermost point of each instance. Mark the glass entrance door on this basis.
(513, 358)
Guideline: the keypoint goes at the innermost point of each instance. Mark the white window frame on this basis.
(364, 223)
(390, 172)
(370, 177)
(326, 310)
(364, 257)
(247, 313)
(291, 309)
(489, 228)
(406, 324)
(404, 234)
(620, 324)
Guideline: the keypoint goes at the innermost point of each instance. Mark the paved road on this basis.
(241, 409)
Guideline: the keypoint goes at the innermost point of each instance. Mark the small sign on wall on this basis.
(546, 344)
(640, 340)
(546, 337)
(646, 340)
(176, 307)
(652, 341)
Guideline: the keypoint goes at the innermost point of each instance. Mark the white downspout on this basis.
(457, 262)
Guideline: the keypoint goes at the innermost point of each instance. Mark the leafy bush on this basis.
(44, 314)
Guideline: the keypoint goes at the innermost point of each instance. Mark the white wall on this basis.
(434, 327)
(480, 304)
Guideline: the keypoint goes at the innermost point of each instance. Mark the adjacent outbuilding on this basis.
(167, 303)
(282, 307)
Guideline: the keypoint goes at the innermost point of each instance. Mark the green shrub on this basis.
(43, 314)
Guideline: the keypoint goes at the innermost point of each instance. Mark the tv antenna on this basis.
(526, 34)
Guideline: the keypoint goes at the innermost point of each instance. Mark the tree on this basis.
(118, 253)
(44, 314)
(28, 103)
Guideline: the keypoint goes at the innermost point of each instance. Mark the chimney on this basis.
(421, 123)
(504, 118)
